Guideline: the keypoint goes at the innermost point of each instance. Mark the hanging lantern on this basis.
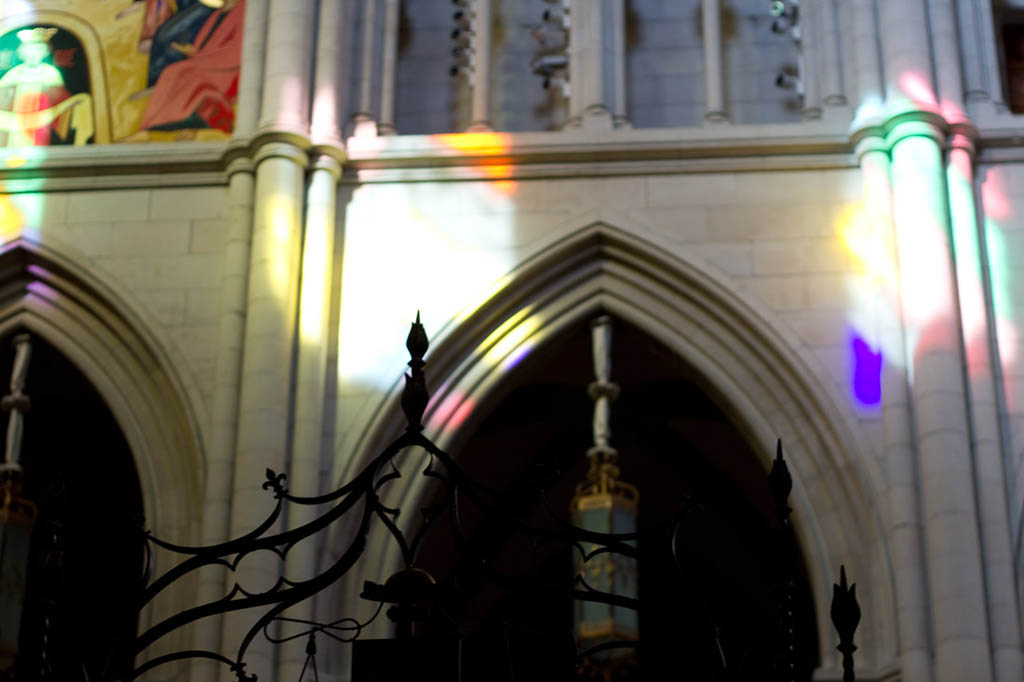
(604, 504)
(17, 515)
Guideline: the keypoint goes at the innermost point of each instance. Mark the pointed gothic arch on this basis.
(58, 299)
(751, 366)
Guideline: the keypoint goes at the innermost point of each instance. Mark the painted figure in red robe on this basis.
(33, 86)
(199, 91)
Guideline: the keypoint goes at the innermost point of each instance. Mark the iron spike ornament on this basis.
(781, 483)
(415, 396)
(845, 614)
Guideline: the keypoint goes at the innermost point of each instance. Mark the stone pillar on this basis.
(990, 53)
(266, 369)
(908, 69)
(975, 87)
(250, 78)
(231, 323)
(592, 67)
(831, 69)
(333, 68)
(811, 58)
(948, 76)
(620, 114)
(977, 330)
(389, 68)
(868, 70)
(310, 379)
(363, 119)
(714, 97)
(902, 499)
(480, 115)
(928, 289)
(224, 418)
(289, 62)
(266, 381)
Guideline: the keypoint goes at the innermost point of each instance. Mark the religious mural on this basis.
(44, 89)
(74, 72)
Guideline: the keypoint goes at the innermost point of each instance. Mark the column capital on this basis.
(964, 136)
(916, 123)
(328, 163)
(280, 149)
(240, 164)
(870, 142)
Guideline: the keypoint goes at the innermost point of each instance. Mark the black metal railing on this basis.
(411, 598)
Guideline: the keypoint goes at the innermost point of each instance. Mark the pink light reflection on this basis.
(993, 195)
(916, 88)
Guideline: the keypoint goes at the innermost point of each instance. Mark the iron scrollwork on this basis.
(407, 597)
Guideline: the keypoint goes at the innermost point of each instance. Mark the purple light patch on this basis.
(867, 373)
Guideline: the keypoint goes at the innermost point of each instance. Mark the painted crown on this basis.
(36, 35)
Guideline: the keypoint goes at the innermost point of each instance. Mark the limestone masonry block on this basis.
(159, 238)
(127, 204)
(188, 202)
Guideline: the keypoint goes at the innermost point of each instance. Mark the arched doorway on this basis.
(746, 360)
(79, 471)
(709, 610)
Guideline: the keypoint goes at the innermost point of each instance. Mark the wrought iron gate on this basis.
(410, 598)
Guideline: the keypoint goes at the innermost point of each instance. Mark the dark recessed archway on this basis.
(673, 442)
(79, 471)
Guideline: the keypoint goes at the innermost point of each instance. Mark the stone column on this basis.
(975, 87)
(480, 115)
(831, 69)
(250, 78)
(266, 381)
(714, 97)
(333, 68)
(591, 64)
(231, 322)
(902, 499)
(290, 26)
(363, 119)
(224, 418)
(870, 90)
(908, 68)
(990, 52)
(389, 68)
(811, 58)
(977, 329)
(310, 379)
(928, 288)
(620, 115)
(948, 76)
(266, 369)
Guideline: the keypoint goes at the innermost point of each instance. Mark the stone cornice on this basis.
(580, 152)
(493, 155)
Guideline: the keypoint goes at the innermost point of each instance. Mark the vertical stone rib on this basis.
(224, 418)
(264, 414)
(480, 116)
(832, 79)
(903, 502)
(288, 66)
(250, 78)
(389, 68)
(976, 328)
(310, 379)
(714, 99)
(950, 520)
